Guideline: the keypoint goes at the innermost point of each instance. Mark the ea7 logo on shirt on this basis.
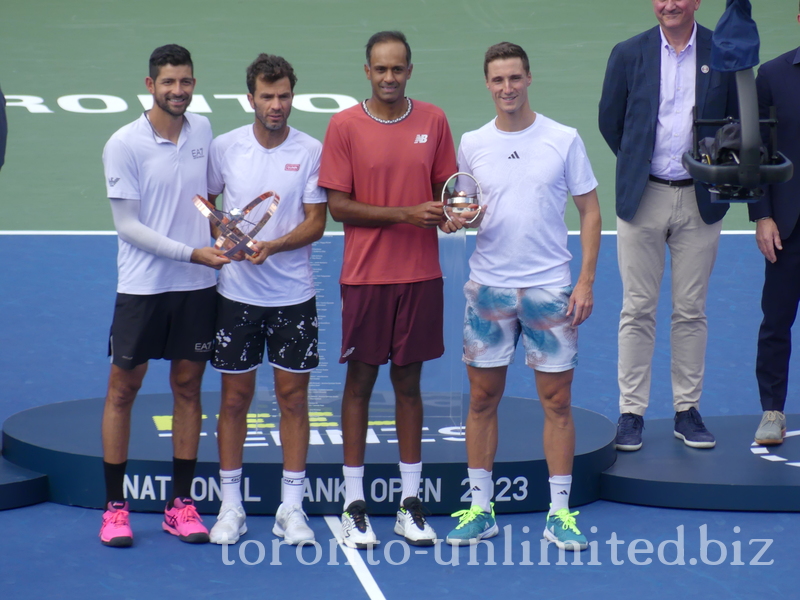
(291, 167)
(202, 347)
(198, 153)
(421, 138)
(112, 181)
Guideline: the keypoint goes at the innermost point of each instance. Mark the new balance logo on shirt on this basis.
(421, 138)
(514, 155)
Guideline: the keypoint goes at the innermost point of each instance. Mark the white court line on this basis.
(354, 558)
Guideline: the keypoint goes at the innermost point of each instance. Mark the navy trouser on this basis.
(779, 302)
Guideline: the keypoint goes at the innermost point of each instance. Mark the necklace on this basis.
(384, 121)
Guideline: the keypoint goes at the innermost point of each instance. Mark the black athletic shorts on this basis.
(172, 325)
(289, 332)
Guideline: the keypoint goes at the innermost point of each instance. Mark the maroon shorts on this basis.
(401, 322)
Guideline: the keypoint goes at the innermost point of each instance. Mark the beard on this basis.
(270, 125)
(163, 104)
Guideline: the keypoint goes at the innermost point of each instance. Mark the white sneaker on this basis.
(290, 524)
(412, 525)
(356, 530)
(230, 524)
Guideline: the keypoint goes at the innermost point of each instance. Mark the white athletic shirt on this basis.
(244, 169)
(141, 165)
(525, 177)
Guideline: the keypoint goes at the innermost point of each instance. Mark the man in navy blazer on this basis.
(778, 238)
(652, 83)
(3, 129)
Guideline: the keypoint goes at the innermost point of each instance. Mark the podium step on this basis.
(20, 486)
(734, 475)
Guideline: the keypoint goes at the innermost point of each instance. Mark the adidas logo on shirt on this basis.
(514, 155)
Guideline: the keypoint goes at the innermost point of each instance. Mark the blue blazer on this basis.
(629, 112)
(778, 84)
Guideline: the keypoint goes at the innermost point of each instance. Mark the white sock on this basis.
(482, 488)
(560, 486)
(411, 474)
(292, 487)
(353, 484)
(230, 482)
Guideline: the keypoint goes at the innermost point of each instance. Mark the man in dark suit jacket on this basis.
(652, 83)
(778, 238)
(3, 129)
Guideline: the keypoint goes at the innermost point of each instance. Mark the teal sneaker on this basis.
(561, 530)
(473, 525)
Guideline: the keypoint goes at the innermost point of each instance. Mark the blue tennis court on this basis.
(73, 73)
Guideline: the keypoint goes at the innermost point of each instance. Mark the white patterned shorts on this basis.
(496, 317)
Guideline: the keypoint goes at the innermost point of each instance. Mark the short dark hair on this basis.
(388, 36)
(171, 54)
(270, 68)
(505, 50)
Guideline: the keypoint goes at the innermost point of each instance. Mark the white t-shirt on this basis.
(525, 177)
(141, 165)
(244, 169)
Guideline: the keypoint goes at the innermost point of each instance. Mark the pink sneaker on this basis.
(116, 529)
(182, 520)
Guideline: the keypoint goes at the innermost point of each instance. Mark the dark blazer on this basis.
(3, 128)
(629, 112)
(778, 84)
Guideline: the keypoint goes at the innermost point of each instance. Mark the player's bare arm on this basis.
(307, 232)
(581, 301)
(346, 210)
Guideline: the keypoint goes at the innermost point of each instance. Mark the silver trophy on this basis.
(462, 197)
(231, 237)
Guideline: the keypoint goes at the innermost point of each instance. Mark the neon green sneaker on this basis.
(561, 530)
(473, 525)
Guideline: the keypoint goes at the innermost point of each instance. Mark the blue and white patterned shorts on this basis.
(495, 318)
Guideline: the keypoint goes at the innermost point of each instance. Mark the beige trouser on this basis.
(666, 214)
